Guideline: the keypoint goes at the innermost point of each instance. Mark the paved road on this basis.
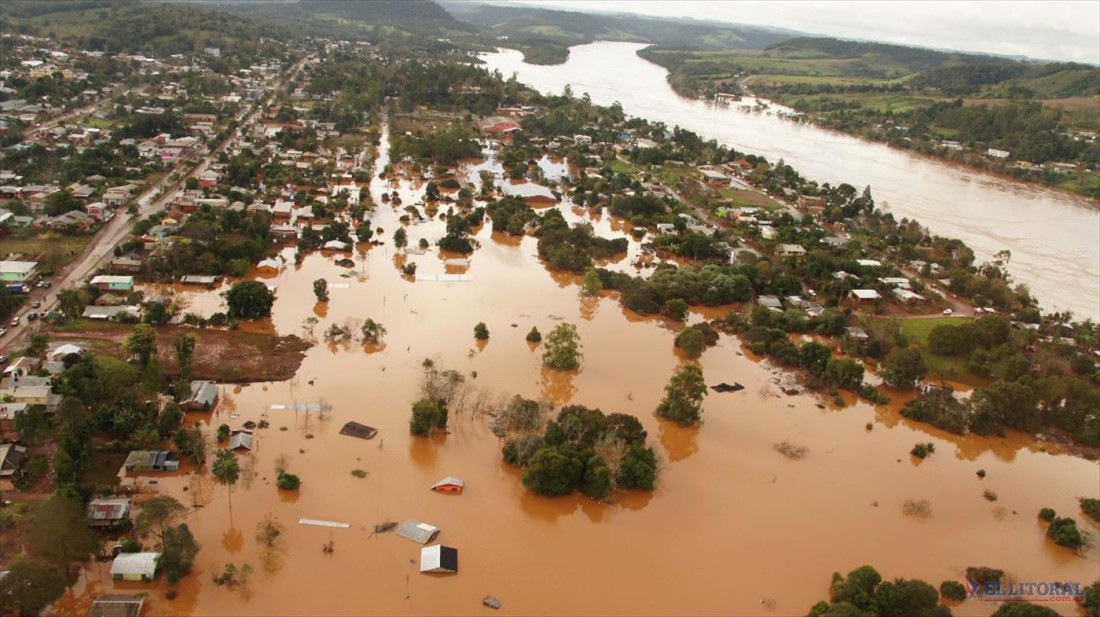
(102, 249)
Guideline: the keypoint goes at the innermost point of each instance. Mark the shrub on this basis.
(1064, 532)
(691, 341)
(1091, 507)
(990, 495)
(953, 590)
(534, 336)
(481, 331)
(223, 432)
(922, 450)
(1047, 514)
(983, 576)
(288, 481)
(358, 473)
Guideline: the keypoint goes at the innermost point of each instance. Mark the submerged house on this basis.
(240, 440)
(439, 559)
(450, 484)
(135, 566)
(204, 394)
(118, 605)
(416, 531)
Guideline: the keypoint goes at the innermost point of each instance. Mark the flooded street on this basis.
(1054, 237)
(734, 527)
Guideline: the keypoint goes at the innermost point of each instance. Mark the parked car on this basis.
(32, 316)
(36, 304)
(947, 311)
(15, 320)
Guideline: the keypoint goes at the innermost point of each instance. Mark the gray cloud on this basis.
(1053, 30)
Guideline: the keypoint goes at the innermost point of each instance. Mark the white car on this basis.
(947, 311)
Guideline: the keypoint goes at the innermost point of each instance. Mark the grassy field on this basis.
(54, 250)
(917, 331)
(620, 166)
(1084, 182)
(748, 199)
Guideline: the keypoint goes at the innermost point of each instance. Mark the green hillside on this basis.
(126, 27)
(544, 35)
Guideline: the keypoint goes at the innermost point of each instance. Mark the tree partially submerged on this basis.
(683, 402)
(562, 349)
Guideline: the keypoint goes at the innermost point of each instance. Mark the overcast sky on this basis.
(1051, 30)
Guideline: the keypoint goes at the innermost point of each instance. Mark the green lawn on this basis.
(620, 166)
(917, 331)
(53, 250)
(747, 199)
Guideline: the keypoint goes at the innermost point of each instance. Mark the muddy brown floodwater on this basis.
(733, 527)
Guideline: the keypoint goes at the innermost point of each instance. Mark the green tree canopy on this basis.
(250, 300)
(684, 394)
(562, 349)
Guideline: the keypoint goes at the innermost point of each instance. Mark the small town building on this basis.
(110, 282)
(135, 566)
(865, 295)
(108, 513)
(152, 460)
(12, 457)
(18, 271)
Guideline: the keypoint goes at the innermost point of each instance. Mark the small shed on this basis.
(135, 566)
(450, 484)
(117, 605)
(416, 531)
(439, 558)
(362, 431)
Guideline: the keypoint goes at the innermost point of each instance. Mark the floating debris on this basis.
(727, 387)
(790, 450)
(385, 527)
(491, 602)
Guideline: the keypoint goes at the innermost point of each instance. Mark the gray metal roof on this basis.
(416, 531)
(144, 564)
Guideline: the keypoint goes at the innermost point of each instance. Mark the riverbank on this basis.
(689, 80)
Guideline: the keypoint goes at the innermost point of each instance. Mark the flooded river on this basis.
(1054, 238)
(733, 527)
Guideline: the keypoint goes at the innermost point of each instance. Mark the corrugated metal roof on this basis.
(144, 564)
(449, 481)
(418, 532)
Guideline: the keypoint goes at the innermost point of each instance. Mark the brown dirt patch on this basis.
(234, 356)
